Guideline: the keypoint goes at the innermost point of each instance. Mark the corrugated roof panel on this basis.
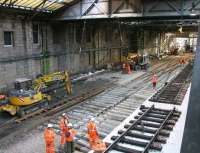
(39, 5)
(50, 6)
(29, 3)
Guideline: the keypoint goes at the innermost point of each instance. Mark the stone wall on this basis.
(61, 46)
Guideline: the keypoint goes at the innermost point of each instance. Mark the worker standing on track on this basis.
(126, 68)
(69, 145)
(49, 136)
(154, 80)
(63, 130)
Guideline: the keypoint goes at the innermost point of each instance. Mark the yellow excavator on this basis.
(137, 61)
(30, 95)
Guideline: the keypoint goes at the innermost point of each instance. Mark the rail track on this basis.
(110, 105)
(61, 104)
(173, 92)
(47, 113)
(147, 131)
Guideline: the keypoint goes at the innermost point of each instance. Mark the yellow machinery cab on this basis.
(23, 95)
(29, 95)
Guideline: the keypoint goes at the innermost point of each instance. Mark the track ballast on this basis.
(174, 92)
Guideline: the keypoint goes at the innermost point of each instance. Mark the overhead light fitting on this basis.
(193, 12)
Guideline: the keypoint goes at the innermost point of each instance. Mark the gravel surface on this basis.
(32, 142)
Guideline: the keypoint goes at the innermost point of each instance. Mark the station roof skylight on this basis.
(35, 5)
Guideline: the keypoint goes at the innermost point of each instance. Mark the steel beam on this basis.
(153, 6)
(173, 7)
(90, 7)
(115, 9)
(191, 138)
(109, 8)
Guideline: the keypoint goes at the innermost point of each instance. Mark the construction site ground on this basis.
(113, 106)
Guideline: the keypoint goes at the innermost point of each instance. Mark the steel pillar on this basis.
(191, 138)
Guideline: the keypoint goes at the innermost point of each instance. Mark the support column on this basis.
(191, 138)
(45, 62)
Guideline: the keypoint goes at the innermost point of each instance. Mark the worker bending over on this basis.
(95, 142)
(63, 130)
(92, 132)
(154, 80)
(49, 136)
(69, 145)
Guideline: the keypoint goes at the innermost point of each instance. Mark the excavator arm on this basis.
(53, 81)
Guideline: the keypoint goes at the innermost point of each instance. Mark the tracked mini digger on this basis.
(137, 61)
(30, 95)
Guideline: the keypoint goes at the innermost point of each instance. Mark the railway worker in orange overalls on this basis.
(128, 68)
(92, 132)
(49, 136)
(63, 129)
(154, 80)
(69, 145)
(95, 142)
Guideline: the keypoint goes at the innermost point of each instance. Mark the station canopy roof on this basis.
(35, 5)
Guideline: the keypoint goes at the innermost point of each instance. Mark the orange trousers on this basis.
(62, 138)
(50, 148)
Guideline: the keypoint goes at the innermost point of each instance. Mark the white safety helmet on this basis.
(50, 125)
(69, 125)
(65, 115)
(92, 119)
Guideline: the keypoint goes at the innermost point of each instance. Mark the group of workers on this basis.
(67, 134)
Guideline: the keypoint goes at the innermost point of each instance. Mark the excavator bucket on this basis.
(68, 85)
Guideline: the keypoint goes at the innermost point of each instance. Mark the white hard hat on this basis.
(50, 125)
(69, 125)
(92, 119)
(65, 115)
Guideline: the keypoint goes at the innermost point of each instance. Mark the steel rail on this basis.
(113, 145)
(157, 132)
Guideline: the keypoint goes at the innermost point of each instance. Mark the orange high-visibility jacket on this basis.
(92, 130)
(71, 136)
(63, 129)
(49, 135)
(154, 79)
